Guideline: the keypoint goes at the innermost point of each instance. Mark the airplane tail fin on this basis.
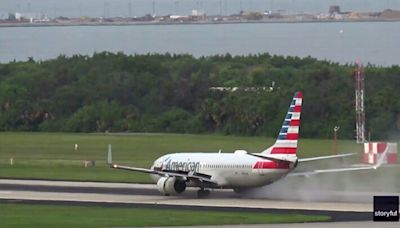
(286, 144)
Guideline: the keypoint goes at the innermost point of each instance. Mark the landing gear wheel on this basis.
(203, 193)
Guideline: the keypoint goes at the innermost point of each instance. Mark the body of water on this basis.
(374, 42)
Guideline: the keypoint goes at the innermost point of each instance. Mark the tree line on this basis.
(242, 95)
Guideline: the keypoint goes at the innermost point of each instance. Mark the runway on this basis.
(145, 195)
(148, 194)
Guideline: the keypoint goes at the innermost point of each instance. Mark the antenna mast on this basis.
(360, 109)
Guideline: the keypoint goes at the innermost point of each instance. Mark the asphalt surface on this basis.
(138, 195)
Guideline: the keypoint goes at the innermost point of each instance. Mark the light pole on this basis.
(335, 130)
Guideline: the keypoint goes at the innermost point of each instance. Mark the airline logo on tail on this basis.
(289, 134)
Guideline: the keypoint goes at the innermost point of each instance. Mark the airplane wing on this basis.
(135, 169)
(189, 175)
(186, 175)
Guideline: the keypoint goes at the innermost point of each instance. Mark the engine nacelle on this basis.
(171, 185)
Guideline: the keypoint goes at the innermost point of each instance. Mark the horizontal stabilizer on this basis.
(325, 157)
(318, 171)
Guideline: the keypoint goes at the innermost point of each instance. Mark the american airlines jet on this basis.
(239, 170)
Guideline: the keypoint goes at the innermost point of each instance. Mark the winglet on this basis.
(109, 157)
(381, 158)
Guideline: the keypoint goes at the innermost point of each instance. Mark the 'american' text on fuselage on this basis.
(181, 166)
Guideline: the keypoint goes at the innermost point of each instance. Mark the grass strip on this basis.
(26, 215)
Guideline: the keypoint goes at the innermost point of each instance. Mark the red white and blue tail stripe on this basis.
(289, 134)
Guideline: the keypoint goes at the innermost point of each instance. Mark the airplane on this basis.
(240, 170)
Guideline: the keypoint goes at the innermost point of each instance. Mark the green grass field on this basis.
(23, 215)
(52, 155)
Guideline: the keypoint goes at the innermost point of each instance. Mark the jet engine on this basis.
(171, 185)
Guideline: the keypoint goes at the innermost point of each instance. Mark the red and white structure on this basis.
(359, 103)
(374, 150)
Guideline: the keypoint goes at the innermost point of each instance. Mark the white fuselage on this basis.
(229, 170)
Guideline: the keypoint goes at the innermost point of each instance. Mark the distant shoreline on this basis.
(58, 24)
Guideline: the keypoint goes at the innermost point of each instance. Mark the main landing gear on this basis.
(203, 193)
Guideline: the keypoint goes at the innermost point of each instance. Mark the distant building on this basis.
(334, 10)
(390, 14)
(179, 18)
(323, 16)
(32, 17)
(354, 16)
(253, 15)
(198, 15)
(336, 14)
